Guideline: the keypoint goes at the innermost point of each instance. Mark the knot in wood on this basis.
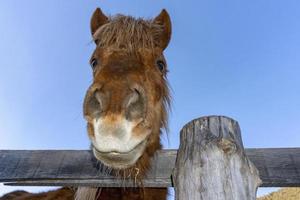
(227, 146)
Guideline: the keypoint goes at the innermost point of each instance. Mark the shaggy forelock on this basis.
(126, 32)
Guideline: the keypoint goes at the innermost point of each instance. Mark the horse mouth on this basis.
(120, 160)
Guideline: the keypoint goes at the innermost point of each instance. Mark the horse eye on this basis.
(161, 65)
(94, 63)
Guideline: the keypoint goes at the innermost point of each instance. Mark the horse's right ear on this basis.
(97, 20)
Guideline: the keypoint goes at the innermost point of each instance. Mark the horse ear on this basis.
(163, 19)
(97, 20)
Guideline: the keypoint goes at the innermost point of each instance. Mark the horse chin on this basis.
(121, 160)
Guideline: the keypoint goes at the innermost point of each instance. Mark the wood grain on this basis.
(278, 167)
(211, 162)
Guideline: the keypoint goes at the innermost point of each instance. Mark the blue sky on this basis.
(234, 58)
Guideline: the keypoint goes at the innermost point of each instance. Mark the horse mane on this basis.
(127, 32)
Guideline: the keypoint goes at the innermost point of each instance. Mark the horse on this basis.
(125, 107)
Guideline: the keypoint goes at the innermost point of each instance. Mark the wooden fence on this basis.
(210, 163)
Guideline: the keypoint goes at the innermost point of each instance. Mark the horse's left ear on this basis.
(163, 19)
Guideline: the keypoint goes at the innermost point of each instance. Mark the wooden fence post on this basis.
(211, 163)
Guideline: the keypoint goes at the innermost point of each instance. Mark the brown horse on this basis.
(126, 105)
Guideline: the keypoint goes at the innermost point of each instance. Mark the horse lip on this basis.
(118, 153)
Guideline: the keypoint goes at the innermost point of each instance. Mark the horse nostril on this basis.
(99, 98)
(135, 105)
(132, 98)
(92, 106)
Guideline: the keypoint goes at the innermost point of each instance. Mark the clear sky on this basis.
(234, 58)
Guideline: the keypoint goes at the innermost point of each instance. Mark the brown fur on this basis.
(127, 54)
(61, 194)
(130, 193)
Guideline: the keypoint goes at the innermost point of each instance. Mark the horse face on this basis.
(125, 105)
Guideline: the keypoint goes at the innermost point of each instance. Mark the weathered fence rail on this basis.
(211, 163)
(278, 167)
